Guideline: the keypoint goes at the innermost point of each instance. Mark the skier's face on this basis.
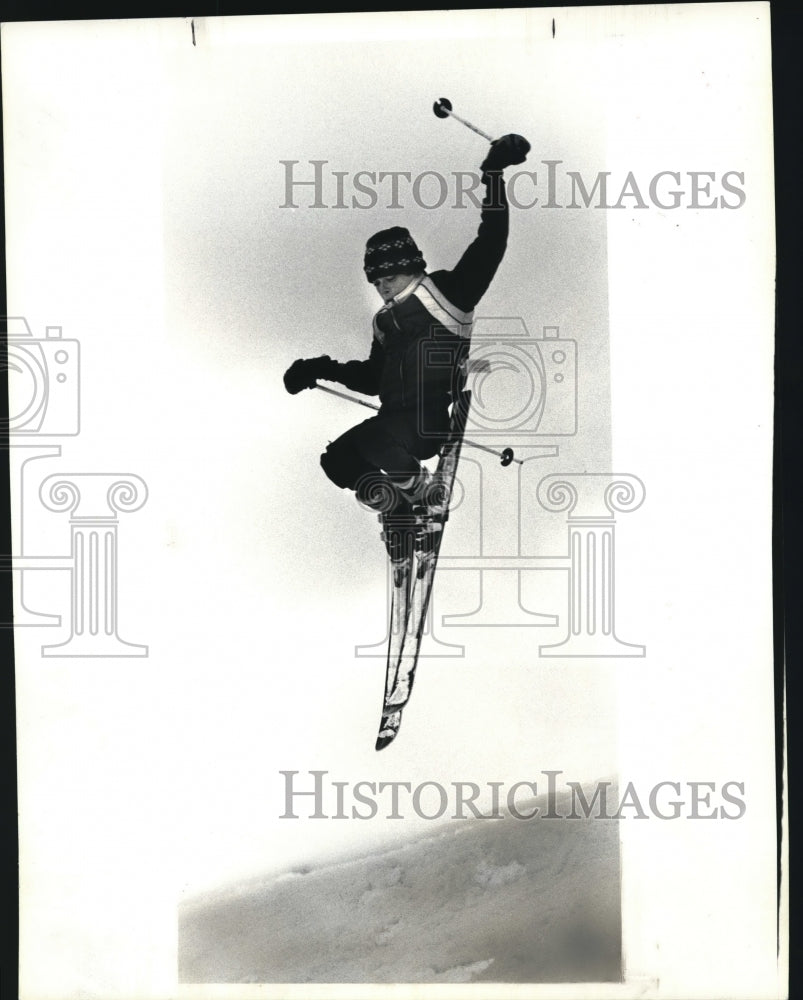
(389, 285)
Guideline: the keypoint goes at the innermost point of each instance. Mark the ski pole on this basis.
(443, 108)
(506, 456)
(345, 395)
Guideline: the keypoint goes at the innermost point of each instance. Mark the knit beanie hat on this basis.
(392, 251)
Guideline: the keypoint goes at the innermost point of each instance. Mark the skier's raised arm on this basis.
(468, 281)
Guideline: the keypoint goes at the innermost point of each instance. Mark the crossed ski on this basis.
(413, 577)
(421, 533)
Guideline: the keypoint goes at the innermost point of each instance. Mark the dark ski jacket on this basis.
(423, 334)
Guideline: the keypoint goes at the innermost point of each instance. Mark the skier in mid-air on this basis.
(415, 386)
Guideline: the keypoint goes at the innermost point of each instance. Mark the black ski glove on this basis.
(506, 152)
(302, 374)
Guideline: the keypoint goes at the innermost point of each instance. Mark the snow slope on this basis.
(502, 900)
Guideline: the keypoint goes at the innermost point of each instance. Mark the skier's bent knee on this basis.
(337, 469)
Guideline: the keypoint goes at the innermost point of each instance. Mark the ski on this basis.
(402, 570)
(418, 575)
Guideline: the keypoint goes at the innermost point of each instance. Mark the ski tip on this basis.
(388, 730)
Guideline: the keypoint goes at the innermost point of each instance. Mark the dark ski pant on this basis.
(389, 443)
